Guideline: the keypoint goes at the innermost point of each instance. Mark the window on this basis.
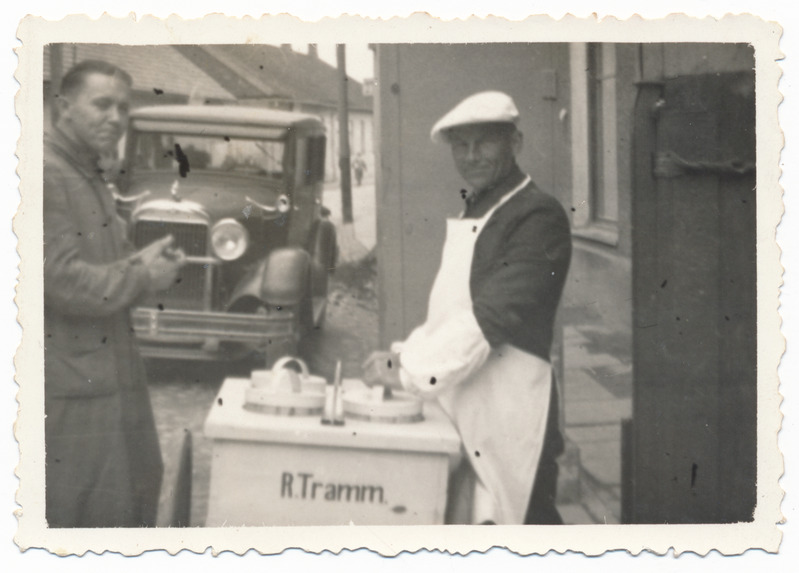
(316, 165)
(594, 142)
(209, 153)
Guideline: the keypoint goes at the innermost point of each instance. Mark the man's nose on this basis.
(115, 114)
(473, 152)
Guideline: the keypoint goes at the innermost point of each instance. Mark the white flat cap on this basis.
(483, 107)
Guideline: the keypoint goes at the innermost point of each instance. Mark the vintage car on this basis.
(240, 191)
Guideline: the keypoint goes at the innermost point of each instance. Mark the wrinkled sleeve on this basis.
(523, 286)
(518, 291)
(72, 285)
(437, 357)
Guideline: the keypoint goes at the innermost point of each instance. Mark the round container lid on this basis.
(401, 407)
(282, 390)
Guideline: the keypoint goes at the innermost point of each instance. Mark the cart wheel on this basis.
(181, 503)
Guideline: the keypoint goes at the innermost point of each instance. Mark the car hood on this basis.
(220, 195)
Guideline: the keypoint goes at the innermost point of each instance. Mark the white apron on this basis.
(500, 410)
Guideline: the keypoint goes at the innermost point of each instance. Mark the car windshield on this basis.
(163, 152)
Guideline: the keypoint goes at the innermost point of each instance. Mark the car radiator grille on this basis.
(191, 237)
(189, 292)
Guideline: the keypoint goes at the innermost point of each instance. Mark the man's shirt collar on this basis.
(479, 202)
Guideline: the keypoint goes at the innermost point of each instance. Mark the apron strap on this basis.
(505, 198)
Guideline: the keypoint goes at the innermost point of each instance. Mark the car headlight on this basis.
(229, 239)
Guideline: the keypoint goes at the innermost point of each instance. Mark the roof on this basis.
(258, 71)
(151, 67)
(223, 72)
(227, 115)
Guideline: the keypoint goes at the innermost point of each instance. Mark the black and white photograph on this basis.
(515, 284)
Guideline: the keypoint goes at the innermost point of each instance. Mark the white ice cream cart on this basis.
(272, 469)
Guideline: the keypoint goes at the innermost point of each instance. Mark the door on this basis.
(694, 283)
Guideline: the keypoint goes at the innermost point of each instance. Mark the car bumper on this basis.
(199, 334)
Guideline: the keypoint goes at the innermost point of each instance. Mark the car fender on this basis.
(286, 277)
(279, 279)
(247, 297)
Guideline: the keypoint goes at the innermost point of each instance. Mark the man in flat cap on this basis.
(483, 351)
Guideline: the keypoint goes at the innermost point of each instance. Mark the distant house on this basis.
(161, 75)
(255, 75)
(279, 77)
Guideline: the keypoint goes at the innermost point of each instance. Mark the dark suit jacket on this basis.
(519, 270)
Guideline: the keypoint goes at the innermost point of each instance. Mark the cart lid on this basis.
(228, 420)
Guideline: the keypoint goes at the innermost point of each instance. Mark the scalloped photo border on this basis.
(764, 532)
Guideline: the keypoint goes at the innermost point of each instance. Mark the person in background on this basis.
(103, 462)
(359, 167)
(483, 351)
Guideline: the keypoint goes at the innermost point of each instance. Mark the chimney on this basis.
(312, 51)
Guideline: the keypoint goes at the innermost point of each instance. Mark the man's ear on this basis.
(63, 106)
(517, 142)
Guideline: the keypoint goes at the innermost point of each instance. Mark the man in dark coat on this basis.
(103, 463)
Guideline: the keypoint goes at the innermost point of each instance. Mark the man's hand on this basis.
(164, 269)
(151, 252)
(382, 367)
(162, 262)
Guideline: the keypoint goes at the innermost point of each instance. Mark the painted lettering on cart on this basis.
(303, 486)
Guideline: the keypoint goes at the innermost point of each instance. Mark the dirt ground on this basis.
(182, 393)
